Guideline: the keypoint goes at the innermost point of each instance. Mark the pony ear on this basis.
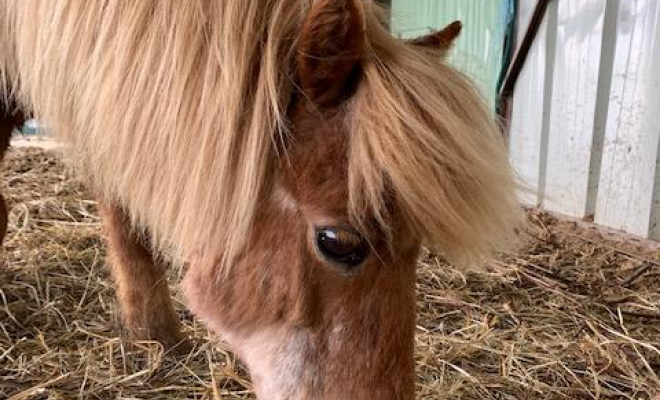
(330, 50)
(441, 40)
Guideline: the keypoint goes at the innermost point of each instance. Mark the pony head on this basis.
(293, 153)
(387, 149)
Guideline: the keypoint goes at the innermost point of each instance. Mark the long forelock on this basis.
(171, 109)
(421, 132)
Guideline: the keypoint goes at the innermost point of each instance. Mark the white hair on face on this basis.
(284, 199)
(279, 362)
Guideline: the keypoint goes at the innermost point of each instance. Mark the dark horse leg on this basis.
(9, 119)
(142, 288)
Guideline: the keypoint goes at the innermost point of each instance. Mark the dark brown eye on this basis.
(342, 245)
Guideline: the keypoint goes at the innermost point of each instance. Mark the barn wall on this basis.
(530, 111)
(585, 128)
(629, 179)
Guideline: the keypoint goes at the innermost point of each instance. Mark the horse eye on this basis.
(342, 245)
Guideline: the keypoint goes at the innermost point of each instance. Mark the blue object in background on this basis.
(31, 127)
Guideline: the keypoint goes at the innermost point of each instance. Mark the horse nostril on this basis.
(342, 245)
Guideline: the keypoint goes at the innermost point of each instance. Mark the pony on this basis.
(292, 156)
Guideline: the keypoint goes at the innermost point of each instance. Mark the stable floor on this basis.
(574, 315)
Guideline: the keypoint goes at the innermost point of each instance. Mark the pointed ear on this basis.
(441, 40)
(330, 50)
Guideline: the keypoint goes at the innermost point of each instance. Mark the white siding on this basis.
(528, 129)
(628, 193)
(585, 129)
(573, 108)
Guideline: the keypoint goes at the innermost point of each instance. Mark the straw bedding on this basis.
(574, 315)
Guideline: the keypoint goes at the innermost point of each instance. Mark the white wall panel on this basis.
(573, 107)
(530, 112)
(585, 128)
(629, 187)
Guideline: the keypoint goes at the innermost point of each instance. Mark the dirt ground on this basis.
(574, 315)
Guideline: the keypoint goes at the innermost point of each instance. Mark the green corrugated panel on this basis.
(478, 51)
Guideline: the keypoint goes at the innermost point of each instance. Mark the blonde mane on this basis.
(175, 110)
(423, 131)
